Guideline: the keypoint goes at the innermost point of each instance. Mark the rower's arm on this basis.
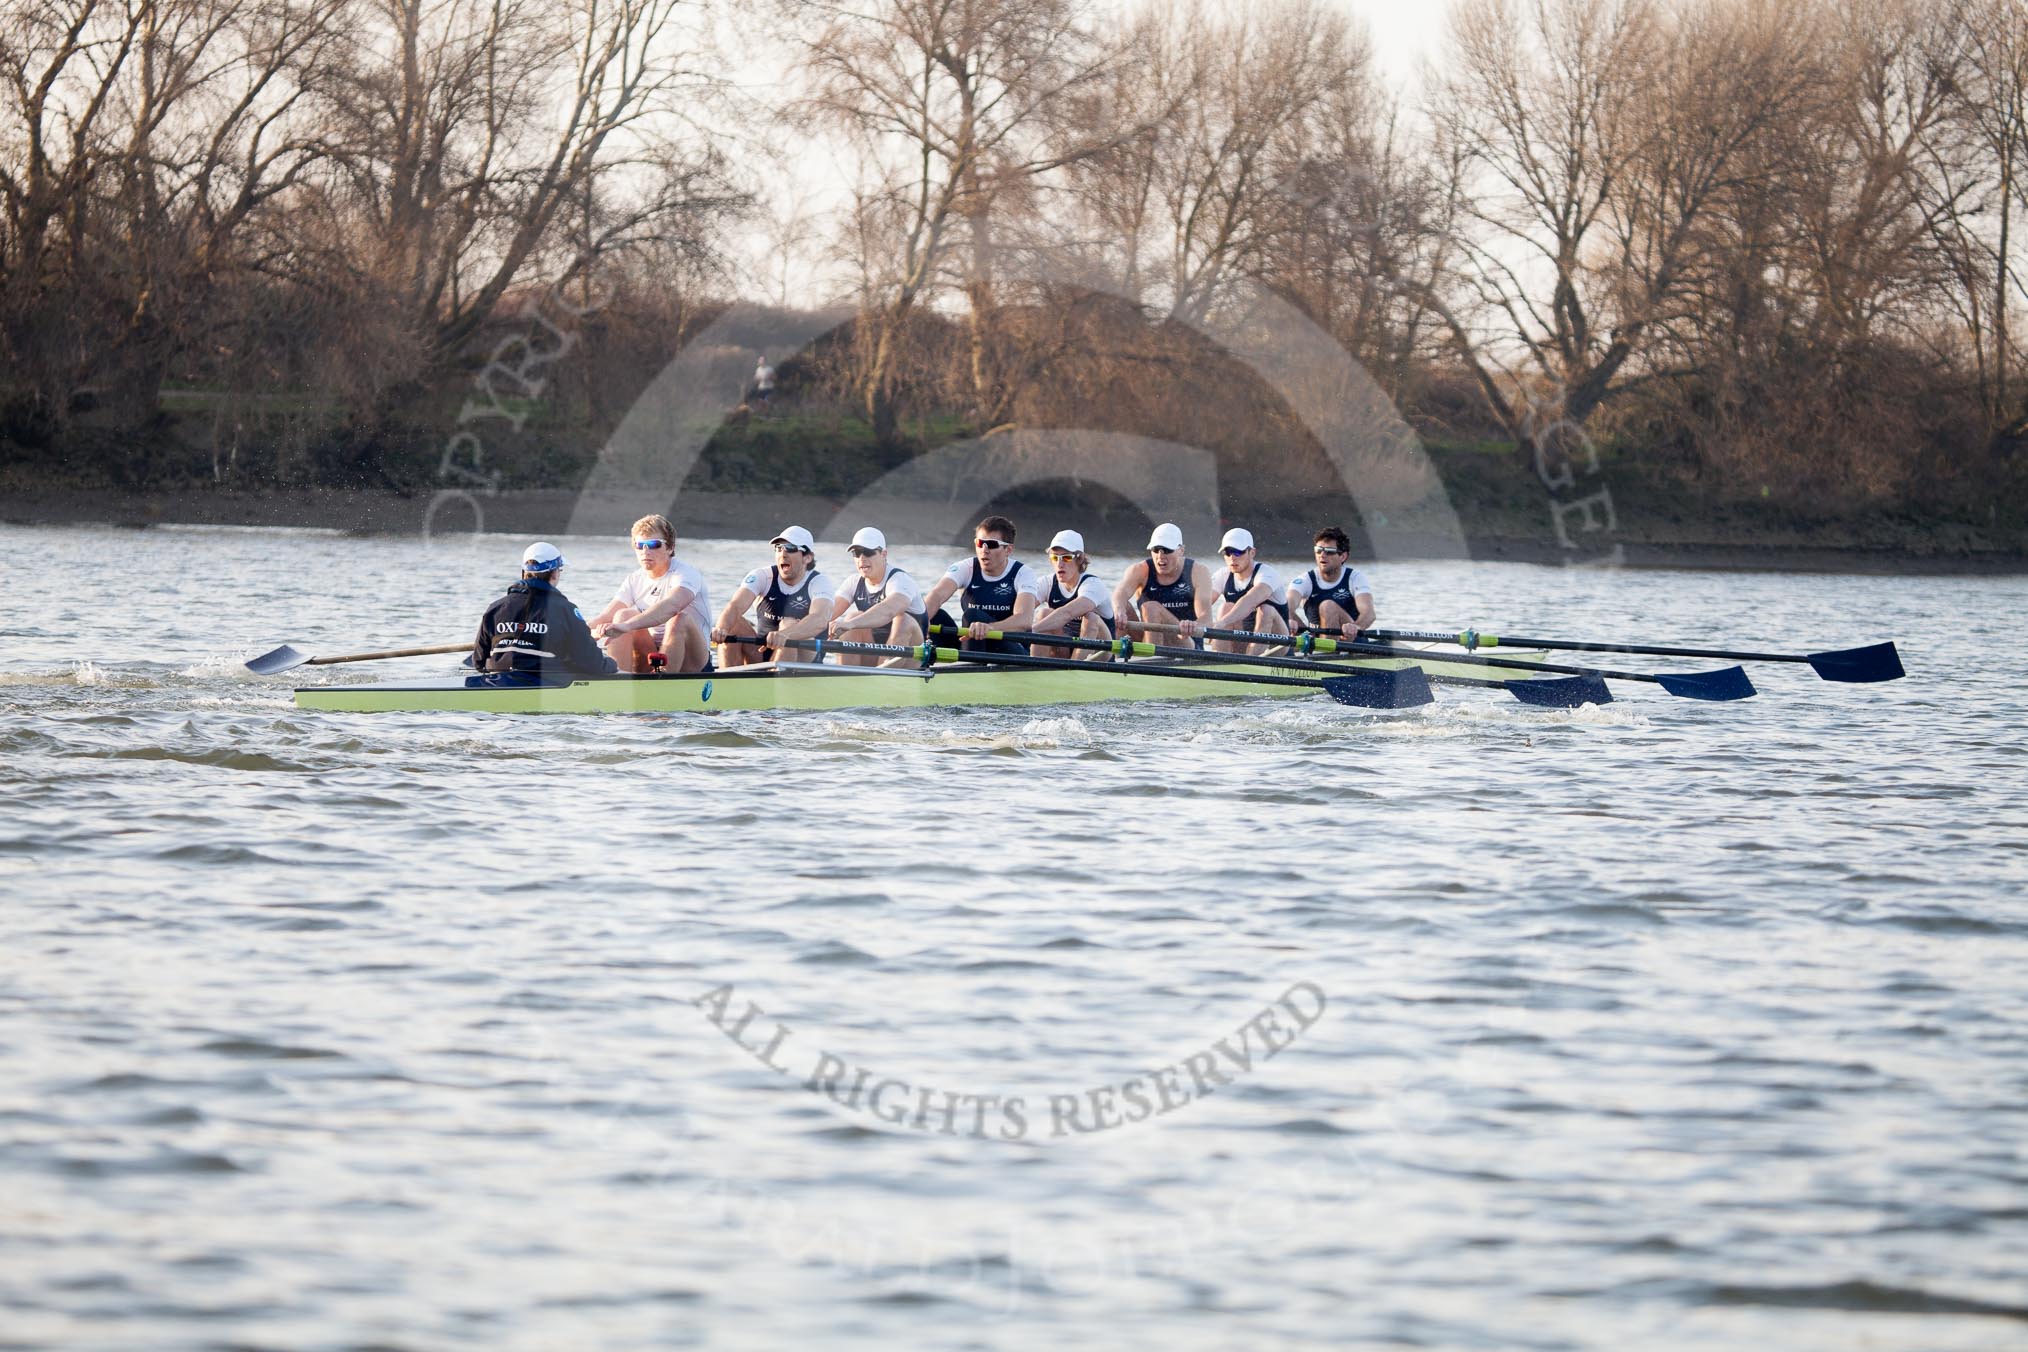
(1298, 621)
(1256, 596)
(660, 611)
(1024, 613)
(811, 625)
(736, 607)
(613, 607)
(1073, 610)
(1123, 595)
(1200, 578)
(887, 608)
(482, 646)
(1365, 615)
(938, 595)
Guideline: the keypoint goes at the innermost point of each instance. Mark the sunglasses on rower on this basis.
(1326, 552)
(651, 544)
(990, 544)
(1157, 549)
(1234, 553)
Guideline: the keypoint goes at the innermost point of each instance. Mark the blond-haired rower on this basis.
(1077, 604)
(660, 607)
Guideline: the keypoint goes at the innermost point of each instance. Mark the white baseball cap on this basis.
(1068, 539)
(1168, 535)
(794, 535)
(1236, 539)
(869, 537)
(541, 557)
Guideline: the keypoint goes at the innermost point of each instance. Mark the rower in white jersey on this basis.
(882, 604)
(789, 599)
(1165, 588)
(662, 608)
(1334, 597)
(1077, 604)
(1246, 595)
(996, 592)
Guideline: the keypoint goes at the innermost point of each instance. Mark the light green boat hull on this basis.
(803, 686)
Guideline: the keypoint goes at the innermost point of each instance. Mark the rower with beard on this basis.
(1166, 588)
(789, 599)
(882, 605)
(534, 631)
(1334, 597)
(997, 592)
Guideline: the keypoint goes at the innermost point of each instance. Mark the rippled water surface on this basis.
(1658, 1024)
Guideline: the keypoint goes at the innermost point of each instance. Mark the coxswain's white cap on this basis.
(1168, 535)
(868, 537)
(1237, 539)
(797, 536)
(1068, 539)
(541, 557)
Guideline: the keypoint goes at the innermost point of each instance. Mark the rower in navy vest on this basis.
(1077, 604)
(1334, 597)
(1248, 595)
(994, 590)
(789, 599)
(881, 605)
(534, 630)
(1166, 588)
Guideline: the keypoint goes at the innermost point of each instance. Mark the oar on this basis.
(285, 657)
(1371, 689)
(1727, 683)
(928, 653)
(1856, 666)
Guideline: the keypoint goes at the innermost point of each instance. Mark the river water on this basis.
(1205, 1025)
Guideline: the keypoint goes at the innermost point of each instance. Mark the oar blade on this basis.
(281, 659)
(1726, 683)
(1859, 666)
(1563, 692)
(1407, 688)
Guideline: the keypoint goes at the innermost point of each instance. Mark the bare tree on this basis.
(1596, 141)
(957, 107)
(484, 140)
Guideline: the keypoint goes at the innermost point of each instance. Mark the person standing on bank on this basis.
(1248, 595)
(1077, 605)
(882, 605)
(1166, 588)
(763, 383)
(1333, 598)
(789, 599)
(534, 630)
(997, 592)
(661, 607)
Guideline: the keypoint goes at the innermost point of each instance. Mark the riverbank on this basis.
(1886, 544)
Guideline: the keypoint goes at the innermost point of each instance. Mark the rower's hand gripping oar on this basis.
(1727, 683)
(1856, 666)
(286, 658)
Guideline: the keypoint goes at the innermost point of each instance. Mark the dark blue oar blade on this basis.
(1859, 666)
(1723, 684)
(281, 659)
(1403, 689)
(1564, 692)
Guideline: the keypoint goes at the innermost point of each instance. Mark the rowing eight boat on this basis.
(805, 685)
